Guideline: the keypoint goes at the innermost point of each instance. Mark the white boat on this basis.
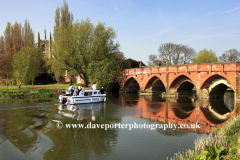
(85, 96)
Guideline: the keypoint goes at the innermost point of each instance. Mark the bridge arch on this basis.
(184, 112)
(182, 84)
(214, 117)
(216, 86)
(115, 87)
(214, 77)
(131, 85)
(155, 84)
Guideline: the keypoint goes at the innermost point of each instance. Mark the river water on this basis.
(36, 129)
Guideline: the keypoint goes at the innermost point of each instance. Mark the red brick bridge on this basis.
(207, 80)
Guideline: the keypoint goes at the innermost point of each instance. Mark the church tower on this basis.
(45, 45)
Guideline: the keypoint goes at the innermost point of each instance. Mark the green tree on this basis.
(58, 69)
(104, 72)
(78, 44)
(28, 35)
(205, 56)
(121, 59)
(131, 63)
(26, 64)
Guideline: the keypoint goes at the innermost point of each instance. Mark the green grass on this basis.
(47, 86)
(27, 91)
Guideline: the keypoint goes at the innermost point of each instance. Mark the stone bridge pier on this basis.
(208, 80)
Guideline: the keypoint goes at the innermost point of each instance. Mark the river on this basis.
(127, 126)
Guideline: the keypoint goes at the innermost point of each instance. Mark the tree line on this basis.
(172, 54)
(19, 56)
(79, 47)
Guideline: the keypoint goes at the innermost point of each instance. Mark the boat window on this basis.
(98, 92)
(87, 93)
(95, 93)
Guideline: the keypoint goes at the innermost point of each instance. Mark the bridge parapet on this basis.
(203, 67)
(199, 75)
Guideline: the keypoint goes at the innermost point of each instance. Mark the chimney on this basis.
(140, 64)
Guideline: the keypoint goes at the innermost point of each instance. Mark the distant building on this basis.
(75, 79)
(44, 44)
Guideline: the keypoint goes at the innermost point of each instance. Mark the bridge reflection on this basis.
(207, 113)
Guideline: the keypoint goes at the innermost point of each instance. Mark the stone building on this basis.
(45, 44)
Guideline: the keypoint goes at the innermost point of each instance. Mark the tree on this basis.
(121, 60)
(28, 35)
(103, 72)
(2, 45)
(26, 64)
(153, 60)
(15, 37)
(205, 56)
(78, 44)
(172, 54)
(6, 58)
(231, 55)
(187, 54)
(57, 68)
(131, 63)
(5, 64)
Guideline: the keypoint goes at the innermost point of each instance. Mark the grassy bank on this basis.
(222, 143)
(29, 91)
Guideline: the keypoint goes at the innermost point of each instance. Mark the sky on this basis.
(141, 25)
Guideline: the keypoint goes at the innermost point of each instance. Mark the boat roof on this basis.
(90, 90)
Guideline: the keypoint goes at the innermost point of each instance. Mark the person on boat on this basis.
(70, 89)
(75, 91)
(78, 90)
(94, 86)
(102, 90)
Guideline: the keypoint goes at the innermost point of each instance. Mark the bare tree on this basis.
(176, 53)
(167, 51)
(231, 55)
(153, 60)
(187, 54)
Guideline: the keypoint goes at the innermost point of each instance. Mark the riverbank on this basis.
(29, 91)
(222, 143)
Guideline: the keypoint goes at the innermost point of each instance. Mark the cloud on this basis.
(231, 10)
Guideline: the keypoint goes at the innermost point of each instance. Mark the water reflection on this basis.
(82, 111)
(29, 129)
(20, 127)
(78, 142)
(207, 113)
